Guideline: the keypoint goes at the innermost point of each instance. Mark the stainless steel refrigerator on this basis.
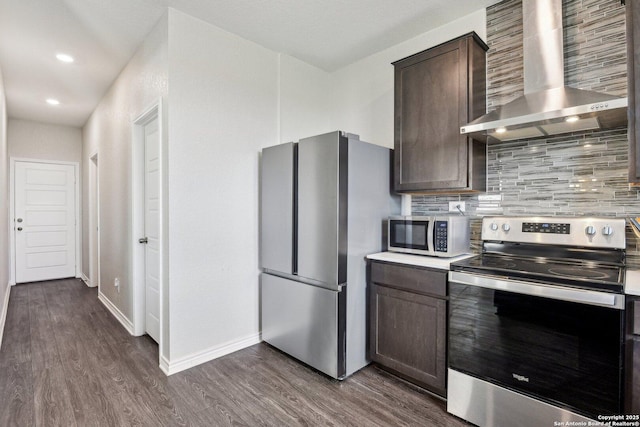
(324, 201)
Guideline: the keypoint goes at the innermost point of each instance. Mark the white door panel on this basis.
(46, 177)
(46, 238)
(46, 218)
(46, 259)
(152, 228)
(44, 203)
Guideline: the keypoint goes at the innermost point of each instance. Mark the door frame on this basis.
(138, 214)
(12, 219)
(94, 220)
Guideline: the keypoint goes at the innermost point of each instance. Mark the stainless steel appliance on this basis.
(548, 107)
(444, 236)
(323, 203)
(536, 322)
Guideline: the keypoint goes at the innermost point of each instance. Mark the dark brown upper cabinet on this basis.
(436, 92)
(633, 89)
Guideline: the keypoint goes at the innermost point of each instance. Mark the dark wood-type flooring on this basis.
(66, 361)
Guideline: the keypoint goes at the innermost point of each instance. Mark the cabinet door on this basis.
(632, 356)
(408, 335)
(436, 92)
(633, 89)
(632, 404)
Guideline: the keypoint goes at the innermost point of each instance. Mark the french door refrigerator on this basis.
(324, 201)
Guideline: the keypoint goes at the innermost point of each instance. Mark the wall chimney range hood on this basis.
(548, 107)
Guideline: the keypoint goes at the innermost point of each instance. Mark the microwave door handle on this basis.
(431, 244)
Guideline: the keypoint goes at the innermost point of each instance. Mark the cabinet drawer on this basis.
(410, 278)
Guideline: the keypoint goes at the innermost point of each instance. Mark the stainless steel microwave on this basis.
(444, 236)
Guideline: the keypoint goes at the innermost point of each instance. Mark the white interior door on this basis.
(152, 228)
(45, 221)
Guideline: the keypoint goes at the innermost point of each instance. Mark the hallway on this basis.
(66, 361)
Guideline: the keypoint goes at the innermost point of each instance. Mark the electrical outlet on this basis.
(457, 206)
(116, 283)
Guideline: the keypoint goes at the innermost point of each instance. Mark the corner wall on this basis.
(4, 210)
(304, 100)
(108, 132)
(223, 110)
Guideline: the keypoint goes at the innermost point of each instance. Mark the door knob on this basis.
(19, 228)
(19, 219)
(143, 240)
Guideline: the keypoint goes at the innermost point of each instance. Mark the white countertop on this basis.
(631, 287)
(422, 260)
(632, 282)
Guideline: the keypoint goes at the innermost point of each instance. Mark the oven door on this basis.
(559, 345)
(412, 236)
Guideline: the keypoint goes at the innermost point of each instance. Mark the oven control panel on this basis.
(568, 231)
(546, 227)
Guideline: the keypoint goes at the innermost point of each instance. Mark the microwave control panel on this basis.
(441, 237)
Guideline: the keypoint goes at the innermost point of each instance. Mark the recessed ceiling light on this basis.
(501, 130)
(572, 119)
(52, 101)
(63, 57)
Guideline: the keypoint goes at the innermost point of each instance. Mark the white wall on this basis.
(363, 91)
(304, 100)
(4, 209)
(35, 140)
(108, 132)
(223, 109)
(225, 99)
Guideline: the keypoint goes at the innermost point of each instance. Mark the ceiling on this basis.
(102, 35)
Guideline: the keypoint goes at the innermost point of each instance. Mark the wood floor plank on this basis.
(67, 361)
(16, 395)
(208, 396)
(44, 351)
(16, 330)
(52, 401)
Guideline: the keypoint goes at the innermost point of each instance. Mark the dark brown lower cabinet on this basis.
(632, 357)
(408, 323)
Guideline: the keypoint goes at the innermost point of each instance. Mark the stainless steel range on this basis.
(536, 322)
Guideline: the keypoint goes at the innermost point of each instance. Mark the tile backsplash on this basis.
(567, 175)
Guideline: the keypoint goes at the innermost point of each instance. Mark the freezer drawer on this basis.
(306, 322)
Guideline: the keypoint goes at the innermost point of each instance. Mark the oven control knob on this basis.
(590, 230)
(494, 226)
(506, 227)
(607, 230)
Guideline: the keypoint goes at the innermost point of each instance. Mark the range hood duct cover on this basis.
(546, 102)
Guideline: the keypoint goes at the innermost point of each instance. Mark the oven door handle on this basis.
(603, 299)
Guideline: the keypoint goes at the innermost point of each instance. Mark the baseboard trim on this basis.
(194, 359)
(115, 311)
(3, 315)
(164, 365)
(87, 281)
